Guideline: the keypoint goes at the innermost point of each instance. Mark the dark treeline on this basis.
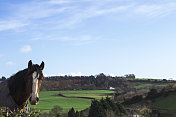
(152, 81)
(99, 82)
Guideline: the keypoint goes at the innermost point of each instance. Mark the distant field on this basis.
(48, 99)
(166, 104)
(142, 86)
(148, 85)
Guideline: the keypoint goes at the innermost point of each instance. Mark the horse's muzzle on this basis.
(33, 102)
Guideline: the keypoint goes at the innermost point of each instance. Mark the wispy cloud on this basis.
(80, 38)
(73, 40)
(81, 15)
(108, 7)
(35, 11)
(26, 49)
(26, 14)
(10, 63)
(65, 38)
(60, 14)
(112, 10)
(155, 10)
(59, 1)
(11, 24)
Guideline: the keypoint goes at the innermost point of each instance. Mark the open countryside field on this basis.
(166, 104)
(148, 85)
(49, 99)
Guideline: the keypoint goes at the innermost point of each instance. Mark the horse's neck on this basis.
(18, 91)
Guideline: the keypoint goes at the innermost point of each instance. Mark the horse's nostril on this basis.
(37, 99)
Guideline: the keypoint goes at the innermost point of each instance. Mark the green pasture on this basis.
(142, 85)
(49, 99)
(98, 94)
(166, 104)
(148, 85)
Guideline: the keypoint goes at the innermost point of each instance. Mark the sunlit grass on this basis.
(48, 99)
(166, 103)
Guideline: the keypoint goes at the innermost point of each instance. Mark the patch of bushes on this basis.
(5, 112)
(54, 112)
(147, 112)
(134, 99)
(106, 108)
(72, 113)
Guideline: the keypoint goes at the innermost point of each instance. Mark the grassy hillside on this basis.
(48, 99)
(166, 104)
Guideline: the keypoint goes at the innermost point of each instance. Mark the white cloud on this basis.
(59, 14)
(155, 10)
(76, 74)
(75, 41)
(10, 63)
(11, 24)
(49, 75)
(80, 14)
(112, 75)
(112, 10)
(61, 74)
(80, 38)
(66, 12)
(37, 11)
(26, 49)
(59, 1)
(25, 14)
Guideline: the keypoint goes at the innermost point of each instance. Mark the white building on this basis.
(111, 88)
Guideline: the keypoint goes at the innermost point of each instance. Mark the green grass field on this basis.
(166, 104)
(138, 86)
(48, 99)
(148, 85)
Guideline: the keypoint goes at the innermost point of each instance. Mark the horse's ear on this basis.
(30, 65)
(42, 65)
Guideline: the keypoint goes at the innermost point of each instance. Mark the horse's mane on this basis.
(17, 80)
(19, 74)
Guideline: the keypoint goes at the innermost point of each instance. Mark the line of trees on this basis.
(98, 82)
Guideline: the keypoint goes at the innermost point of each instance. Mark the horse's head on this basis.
(35, 78)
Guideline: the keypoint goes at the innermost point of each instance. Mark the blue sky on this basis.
(84, 37)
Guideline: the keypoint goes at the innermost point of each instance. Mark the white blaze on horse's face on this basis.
(35, 94)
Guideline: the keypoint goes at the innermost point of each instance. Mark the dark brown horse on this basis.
(21, 87)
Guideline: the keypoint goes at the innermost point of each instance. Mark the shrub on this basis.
(55, 111)
(96, 110)
(147, 112)
(72, 113)
(105, 108)
(152, 94)
(134, 99)
(5, 112)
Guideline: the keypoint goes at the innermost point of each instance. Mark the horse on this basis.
(21, 87)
